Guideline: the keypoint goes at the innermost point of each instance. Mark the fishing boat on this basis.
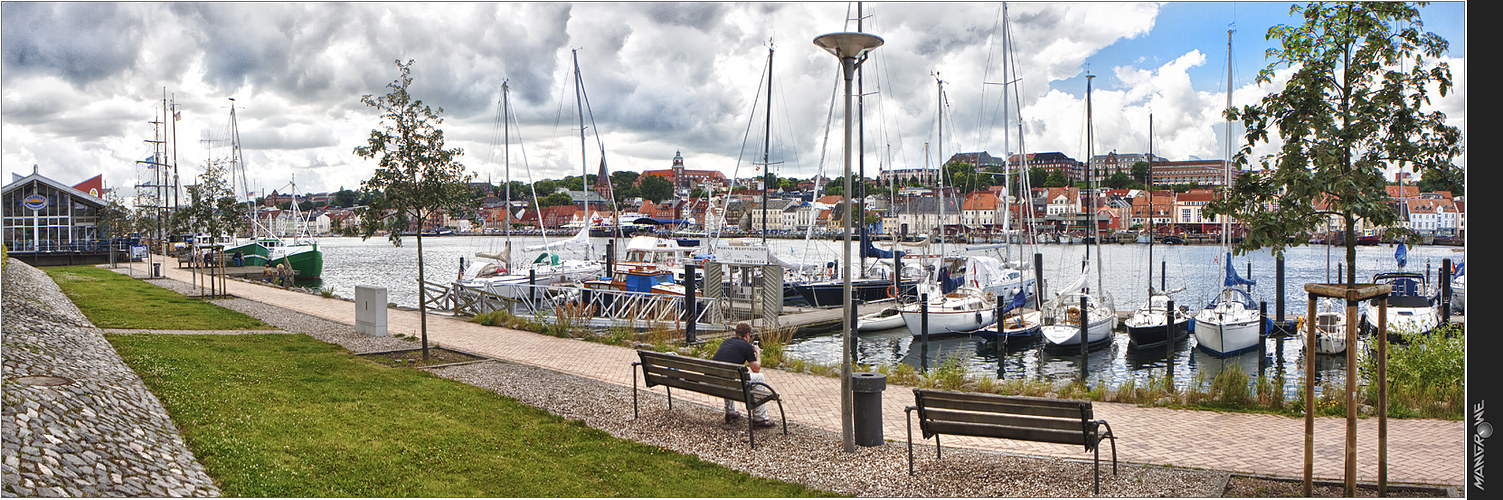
(1230, 322)
(1152, 324)
(295, 249)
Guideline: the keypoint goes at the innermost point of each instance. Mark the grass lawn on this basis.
(290, 416)
(113, 300)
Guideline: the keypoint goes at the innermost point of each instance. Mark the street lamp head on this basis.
(848, 44)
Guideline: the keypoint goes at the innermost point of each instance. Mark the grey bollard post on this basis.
(1001, 339)
(867, 394)
(1444, 277)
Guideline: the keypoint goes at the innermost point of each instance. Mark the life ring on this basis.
(892, 291)
(1074, 314)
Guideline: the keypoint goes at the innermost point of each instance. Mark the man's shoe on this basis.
(732, 417)
(762, 424)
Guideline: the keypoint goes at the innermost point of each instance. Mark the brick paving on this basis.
(1420, 451)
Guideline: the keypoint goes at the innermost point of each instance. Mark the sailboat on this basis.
(266, 246)
(1152, 324)
(1230, 323)
(1063, 316)
(500, 276)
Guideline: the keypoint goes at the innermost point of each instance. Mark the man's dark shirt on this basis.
(736, 350)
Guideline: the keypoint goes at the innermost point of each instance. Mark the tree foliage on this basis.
(1356, 103)
(415, 173)
(416, 176)
(655, 188)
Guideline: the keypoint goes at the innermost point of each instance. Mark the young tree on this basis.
(416, 175)
(1355, 104)
(655, 188)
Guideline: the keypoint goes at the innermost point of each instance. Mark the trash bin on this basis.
(867, 395)
(156, 269)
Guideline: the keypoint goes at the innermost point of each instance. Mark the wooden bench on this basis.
(714, 378)
(1009, 417)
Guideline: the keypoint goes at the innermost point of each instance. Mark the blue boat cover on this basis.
(1232, 278)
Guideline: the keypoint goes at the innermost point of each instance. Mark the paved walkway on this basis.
(1419, 451)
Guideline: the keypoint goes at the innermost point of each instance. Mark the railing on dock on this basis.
(599, 308)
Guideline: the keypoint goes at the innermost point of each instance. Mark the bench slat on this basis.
(675, 373)
(1004, 404)
(1002, 419)
(997, 431)
(709, 367)
(700, 387)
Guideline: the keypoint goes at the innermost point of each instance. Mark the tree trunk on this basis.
(422, 304)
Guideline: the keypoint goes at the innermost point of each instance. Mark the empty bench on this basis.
(1009, 417)
(714, 378)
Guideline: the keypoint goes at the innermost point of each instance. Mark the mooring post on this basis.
(924, 332)
(1278, 303)
(532, 283)
(1001, 338)
(1445, 291)
(691, 305)
(1169, 342)
(1085, 319)
(1262, 335)
(610, 258)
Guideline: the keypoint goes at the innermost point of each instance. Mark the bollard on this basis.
(1278, 305)
(867, 395)
(924, 332)
(532, 283)
(610, 258)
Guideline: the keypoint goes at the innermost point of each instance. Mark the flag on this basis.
(150, 161)
(1401, 254)
(177, 116)
(1460, 270)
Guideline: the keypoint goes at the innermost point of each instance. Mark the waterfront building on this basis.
(48, 222)
(685, 180)
(1202, 172)
(980, 211)
(1051, 162)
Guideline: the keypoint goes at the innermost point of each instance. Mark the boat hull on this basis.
(1224, 338)
(307, 260)
(886, 319)
(1146, 336)
(832, 293)
(947, 322)
(1065, 335)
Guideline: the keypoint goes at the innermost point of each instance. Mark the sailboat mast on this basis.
(767, 147)
(1091, 199)
(1227, 163)
(939, 156)
(858, 195)
(584, 163)
(1150, 203)
(506, 162)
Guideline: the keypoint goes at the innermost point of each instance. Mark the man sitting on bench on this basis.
(739, 349)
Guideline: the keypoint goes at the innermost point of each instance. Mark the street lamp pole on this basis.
(851, 49)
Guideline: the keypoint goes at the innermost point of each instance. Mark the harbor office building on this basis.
(50, 223)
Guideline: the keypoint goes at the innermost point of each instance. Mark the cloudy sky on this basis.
(83, 81)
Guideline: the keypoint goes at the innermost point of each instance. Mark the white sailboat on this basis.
(1153, 324)
(1330, 327)
(1063, 315)
(1230, 323)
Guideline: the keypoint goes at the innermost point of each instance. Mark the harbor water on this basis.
(1125, 275)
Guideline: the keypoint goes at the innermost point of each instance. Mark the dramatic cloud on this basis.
(84, 81)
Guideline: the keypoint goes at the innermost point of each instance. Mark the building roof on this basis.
(37, 177)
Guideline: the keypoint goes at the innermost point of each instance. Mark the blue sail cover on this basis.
(868, 250)
(948, 284)
(1018, 299)
(1232, 279)
(1402, 255)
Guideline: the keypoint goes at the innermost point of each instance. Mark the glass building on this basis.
(46, 218)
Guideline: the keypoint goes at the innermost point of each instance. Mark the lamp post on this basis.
(851, 49)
